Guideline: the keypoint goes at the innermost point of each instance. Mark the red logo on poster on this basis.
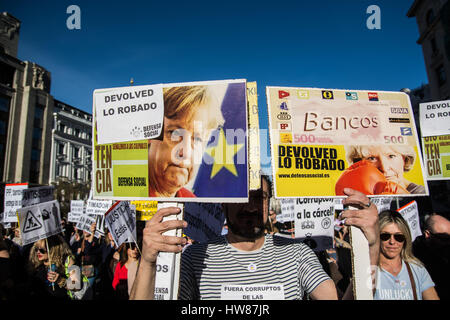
(373, 96)
(282, 94)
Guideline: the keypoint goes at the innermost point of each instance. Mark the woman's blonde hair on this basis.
(59, 251)
(390, 216)
(359, 152)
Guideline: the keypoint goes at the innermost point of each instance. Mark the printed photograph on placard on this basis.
(200, 154)
(324, 140)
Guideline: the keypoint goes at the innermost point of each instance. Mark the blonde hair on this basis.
(184, 101)
(359, 152)
(390, 216)
(59, 251)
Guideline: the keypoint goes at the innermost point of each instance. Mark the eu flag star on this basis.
(223, 155)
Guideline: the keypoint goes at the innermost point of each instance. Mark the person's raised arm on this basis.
(365, 218)
(154, 242)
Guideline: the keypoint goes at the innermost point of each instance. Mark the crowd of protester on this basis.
(39, 270)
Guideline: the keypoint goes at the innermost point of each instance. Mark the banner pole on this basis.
(49, 261)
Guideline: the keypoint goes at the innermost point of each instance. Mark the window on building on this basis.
(61, 148)
(36, 144)
(76, 152)
(77, 132)
(430, 17)
(4, 119)
(62, 127)
(441, 76)
(75, 174)
(7, 74)
(434, 48)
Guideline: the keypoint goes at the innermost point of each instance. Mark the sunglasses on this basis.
(397, 237)
(41, 250)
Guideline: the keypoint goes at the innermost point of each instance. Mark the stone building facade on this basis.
(33, 125)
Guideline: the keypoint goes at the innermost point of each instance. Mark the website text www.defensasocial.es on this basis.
(304, 175)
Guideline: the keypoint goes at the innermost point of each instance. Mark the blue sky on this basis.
(281, 43)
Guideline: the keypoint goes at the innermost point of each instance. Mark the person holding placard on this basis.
(44, 281)
(401, 275)
(190, 113)
(246, 260)
(379, 169)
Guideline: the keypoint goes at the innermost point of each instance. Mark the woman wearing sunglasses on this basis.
(47, 280)
(401, 276)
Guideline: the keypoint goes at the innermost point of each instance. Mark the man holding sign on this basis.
(246, 264)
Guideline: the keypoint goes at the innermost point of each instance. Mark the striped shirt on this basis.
(280, 262)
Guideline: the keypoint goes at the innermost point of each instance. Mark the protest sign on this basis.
(410, 213)
(213, 167)
(120, 222)
(287, 211)
(331, 139)
(13, 200)
(145, 210)
(167, 263)
(98, 207)
(85, 221)
(434, 118)
(76, 210)
(314, 221)
(253, 137)
(39, 221)
(436, 156)
(205, 220)
(37, 195)
(128, 113)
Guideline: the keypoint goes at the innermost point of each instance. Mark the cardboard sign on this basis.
(434, 118)
(37, 195)
(98, 207)
(205, 220)
(145, 210)
(13, 201)
(324, 140)
(85, 221)
(167, 263)
(39, 221)
(203, 144)
(119, 221)
(76, 210)
(436, 156)
(410, 213)
(253, 137)
(128, 113)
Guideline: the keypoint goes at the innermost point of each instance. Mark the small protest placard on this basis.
(13, 200)
(434, 118)
(76, 210)
(314, 222)
(98, 207)
(120, 222)
(39, 221)
(128, 113)
(37, 195)
(410, 213)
